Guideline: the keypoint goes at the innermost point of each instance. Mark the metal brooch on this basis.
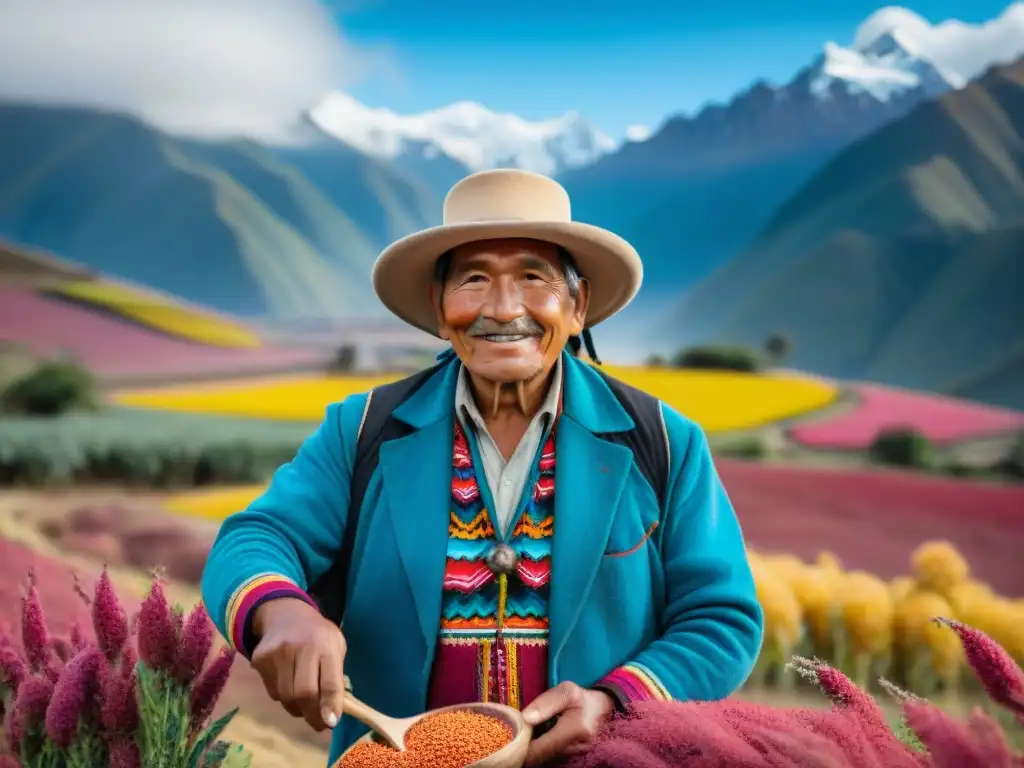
(502, 559)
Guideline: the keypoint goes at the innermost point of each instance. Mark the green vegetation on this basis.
(718, 358)
(1013, 465)
(903, 447)
(50, 389)
(144, 448)
(748, 448)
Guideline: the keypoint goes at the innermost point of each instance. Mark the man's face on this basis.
(506, 308)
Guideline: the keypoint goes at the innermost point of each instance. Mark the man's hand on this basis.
(580, 712)
(300, 657)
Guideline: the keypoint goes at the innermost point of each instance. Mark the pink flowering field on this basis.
(941, 419)
(871, 519)
(116, 348)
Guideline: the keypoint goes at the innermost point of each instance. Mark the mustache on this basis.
(521, 326)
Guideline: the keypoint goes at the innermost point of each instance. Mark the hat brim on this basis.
(404, 272)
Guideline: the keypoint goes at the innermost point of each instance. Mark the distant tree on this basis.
(51, 389)
(1012, 465)
(344, 359)
(778, 346)
(718, 358)
(656, 361)
(902, 447)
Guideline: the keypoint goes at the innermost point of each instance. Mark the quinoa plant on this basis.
(854, 733)
(140, 694)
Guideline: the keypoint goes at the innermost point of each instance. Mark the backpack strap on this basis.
(377, 426)
(648, 440)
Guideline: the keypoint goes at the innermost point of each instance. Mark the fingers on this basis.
(569, 734)
(331, 702)
(305, 673)
(266, 662)
(333, 682)
(552, 703)
(306, 690)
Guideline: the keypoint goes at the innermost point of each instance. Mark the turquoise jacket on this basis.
(682, 607)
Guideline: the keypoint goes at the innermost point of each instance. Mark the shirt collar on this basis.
(466, 408)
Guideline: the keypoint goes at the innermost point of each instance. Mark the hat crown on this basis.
(506, 195)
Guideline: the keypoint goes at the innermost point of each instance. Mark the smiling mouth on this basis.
(504, 338)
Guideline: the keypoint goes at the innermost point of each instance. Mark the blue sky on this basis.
(617, 63)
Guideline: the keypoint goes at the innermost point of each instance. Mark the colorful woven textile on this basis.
(493, 643)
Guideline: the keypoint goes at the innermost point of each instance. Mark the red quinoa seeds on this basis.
(444, 740)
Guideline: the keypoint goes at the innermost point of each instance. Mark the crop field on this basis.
(213, 503)
(159, 313)
(718, 401)
(873, 518)
(942, 420)
(115, 348)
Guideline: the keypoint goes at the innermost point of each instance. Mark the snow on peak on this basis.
(466, 131)
(895, 50)
(638, 132)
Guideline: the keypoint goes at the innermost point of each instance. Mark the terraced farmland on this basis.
(161, 314)
(121, 349)
(941, 419)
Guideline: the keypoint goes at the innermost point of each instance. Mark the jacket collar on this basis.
(587, 399)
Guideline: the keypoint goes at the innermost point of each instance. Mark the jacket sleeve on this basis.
(712, 618)
(288, 536)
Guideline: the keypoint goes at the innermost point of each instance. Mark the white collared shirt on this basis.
(507, 479)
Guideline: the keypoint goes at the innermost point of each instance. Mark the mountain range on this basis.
(287, 234)
(900, 261)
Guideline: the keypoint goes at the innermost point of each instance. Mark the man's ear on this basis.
(435, 299)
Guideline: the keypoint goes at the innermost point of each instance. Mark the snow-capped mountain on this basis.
(895, 51)
(896, 61)
(885, 68)
(465, 131)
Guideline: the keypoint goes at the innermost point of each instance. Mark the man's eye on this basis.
(532, 276)
(475, 279)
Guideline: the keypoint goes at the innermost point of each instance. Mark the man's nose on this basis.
(505, 302)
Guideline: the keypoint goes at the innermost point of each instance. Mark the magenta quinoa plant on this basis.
(132, 698)
(854, 733)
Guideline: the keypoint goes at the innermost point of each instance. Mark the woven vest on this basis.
(493, 643)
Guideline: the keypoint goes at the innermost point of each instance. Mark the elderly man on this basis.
(510, 525)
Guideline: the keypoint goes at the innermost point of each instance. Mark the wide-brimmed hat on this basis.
(506, 203)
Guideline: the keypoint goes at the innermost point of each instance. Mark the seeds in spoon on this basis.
(443, 740)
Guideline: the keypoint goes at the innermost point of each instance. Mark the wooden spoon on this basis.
(392, 730)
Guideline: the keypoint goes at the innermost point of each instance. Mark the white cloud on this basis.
(195, 67)
(966, 49)
(637, 133)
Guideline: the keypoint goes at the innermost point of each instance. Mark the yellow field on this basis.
(719, 401)
(286, 399)
(161, 314)
(214, 504)
(870, 627)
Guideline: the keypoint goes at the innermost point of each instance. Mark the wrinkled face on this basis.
(507, 309)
